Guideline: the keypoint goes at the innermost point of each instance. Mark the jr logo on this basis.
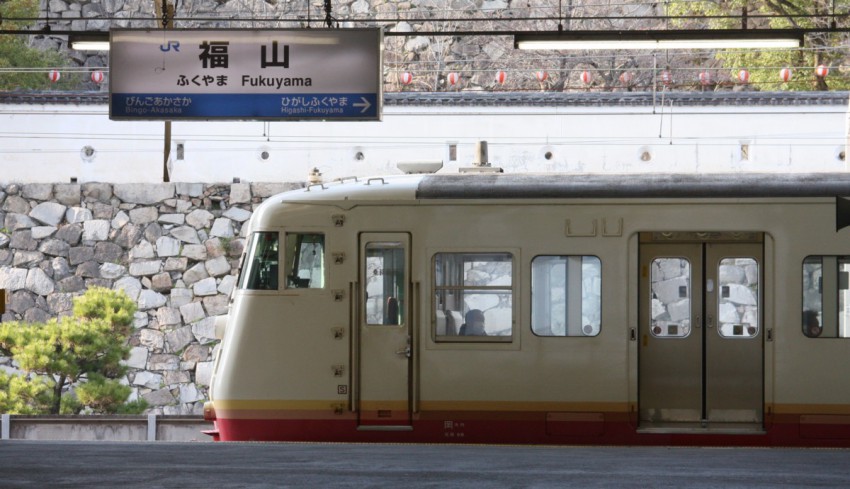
(169, 45)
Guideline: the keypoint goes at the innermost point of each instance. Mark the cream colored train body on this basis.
(624, 309)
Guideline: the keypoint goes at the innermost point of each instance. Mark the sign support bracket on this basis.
(165, 11)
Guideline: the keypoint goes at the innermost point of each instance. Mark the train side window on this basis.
(738, 301)
(670, 279)
(385, 280)
(473, 296)
(826, 297)
(566, 295)
(304, 260)
(260, 268)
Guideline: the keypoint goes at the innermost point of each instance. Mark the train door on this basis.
(384, 333)
(701, 347)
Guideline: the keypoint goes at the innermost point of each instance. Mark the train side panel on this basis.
(291, 367)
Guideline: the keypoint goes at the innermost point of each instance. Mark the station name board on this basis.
(279, 74)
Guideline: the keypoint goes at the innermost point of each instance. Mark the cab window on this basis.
(260, 269)
(304, 260)
(473, 296)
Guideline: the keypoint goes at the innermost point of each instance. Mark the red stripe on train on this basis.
(785, 433)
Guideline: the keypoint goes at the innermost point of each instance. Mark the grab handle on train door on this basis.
(406, 350)
(699, 321)
(709, 321)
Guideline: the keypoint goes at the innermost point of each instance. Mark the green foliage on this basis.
(15, 51)
(764, 65)
(86, 348)
(20, 395)
(102, 395)
(112, 306)
(133, 407)
(70, 404)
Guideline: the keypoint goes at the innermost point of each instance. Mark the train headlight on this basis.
(209, 411)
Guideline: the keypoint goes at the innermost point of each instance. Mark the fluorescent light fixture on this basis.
(666, 39)
(89, 42)
(90, 46)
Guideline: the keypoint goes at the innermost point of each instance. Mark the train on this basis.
(532, 308)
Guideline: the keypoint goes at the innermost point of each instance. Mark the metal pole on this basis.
(165, 11)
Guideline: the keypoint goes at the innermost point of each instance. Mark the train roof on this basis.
(488, 186)
(558, 186)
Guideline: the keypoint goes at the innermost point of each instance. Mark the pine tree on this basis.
(84, 351)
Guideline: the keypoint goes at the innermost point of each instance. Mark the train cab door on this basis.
(701, 343)
(384, 337)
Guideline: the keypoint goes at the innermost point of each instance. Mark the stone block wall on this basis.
(173, 247)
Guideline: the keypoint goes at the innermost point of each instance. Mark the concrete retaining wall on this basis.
(104, 428)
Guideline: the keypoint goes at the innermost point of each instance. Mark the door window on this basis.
(738, 298)
(670, 280)
(385, 279)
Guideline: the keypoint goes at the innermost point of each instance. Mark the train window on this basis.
(260, 270)
(738, 298)
(566, 295)
(670, 310)
(826, 297)
(304, 260)
(385, 279)
(473, 294)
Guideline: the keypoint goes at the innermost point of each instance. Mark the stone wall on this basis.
(174, 248)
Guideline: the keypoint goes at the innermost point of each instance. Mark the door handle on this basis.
(406, 350)
(709, 321)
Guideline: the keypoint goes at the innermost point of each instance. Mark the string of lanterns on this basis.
(96, 76)
(586, 77)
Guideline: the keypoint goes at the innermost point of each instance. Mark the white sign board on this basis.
(280, 74)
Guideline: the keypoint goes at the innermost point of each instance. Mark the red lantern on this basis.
(97, 76)
(704, 77)
(785, 74)
(54, 76)
(666, 77)
(821, 71)
(586, 77)
(625, 78)
(453, 78)
(744, 76)
(405, 78)
(501, 77)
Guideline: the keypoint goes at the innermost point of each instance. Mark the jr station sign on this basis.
(275, 74)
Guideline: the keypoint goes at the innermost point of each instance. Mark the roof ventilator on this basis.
(416, 167)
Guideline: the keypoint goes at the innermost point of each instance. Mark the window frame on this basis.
(758, 296)
(402, 293)
(247, 264)
(690, 289)
(829, 282)
(531, 292)
(284, 258)
(511, 289)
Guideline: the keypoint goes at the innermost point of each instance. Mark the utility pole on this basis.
(165, 12)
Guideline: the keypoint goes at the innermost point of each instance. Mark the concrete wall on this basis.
(60, 142)
(104, 428)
